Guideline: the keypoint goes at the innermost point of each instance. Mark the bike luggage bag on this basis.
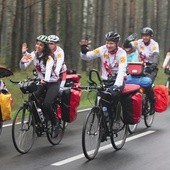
(132, 108)
(161, 98)
(5, 106)
(135, 68)
(70, 100)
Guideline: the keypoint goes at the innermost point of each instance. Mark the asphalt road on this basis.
(147, 149)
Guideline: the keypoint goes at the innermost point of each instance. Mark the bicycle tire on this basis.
(148, 118)
(91, 134)
(60, 128)
(132, 128)
(119, 129)
(23, 130)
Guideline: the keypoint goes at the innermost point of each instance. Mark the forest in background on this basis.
(23, 20)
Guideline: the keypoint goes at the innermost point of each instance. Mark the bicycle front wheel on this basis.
(60, 132)
(23, 130)
(91, 135)
(119, 129)
(132, 128)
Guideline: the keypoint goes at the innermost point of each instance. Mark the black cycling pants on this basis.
(52, 90)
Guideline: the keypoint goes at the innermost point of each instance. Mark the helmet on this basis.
(42, 38)
(147, 31)
(130, 38)
(127, 45)
(53, 38)
(112, 36)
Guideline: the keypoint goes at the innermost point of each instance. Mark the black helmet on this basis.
(112, 36)
(130, 38)
(147, 31)
(42, 38)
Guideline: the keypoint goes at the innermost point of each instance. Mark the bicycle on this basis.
(167, 83)
(99, 123)
(30, 121)
(146, 105)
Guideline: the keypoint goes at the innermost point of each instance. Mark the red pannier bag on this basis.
(70, 99)
(131, 104)
(69, 103)
(135, 68)
(161, 98)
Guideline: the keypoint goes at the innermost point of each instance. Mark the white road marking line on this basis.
(74, 158)
(6, 125)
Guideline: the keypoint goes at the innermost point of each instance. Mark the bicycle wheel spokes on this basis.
(60, 129)
(23, 130)
(119, 129)
(91, 134)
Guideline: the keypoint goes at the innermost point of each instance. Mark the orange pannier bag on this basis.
(161, 98)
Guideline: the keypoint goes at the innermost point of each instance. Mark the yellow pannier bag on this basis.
(5, 104)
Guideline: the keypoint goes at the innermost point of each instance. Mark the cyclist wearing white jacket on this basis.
(43, 60)
(113, 59)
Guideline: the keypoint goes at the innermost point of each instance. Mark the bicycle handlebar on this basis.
(28, 79)
(90, 76)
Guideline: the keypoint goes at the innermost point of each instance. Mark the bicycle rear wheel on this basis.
(91, 135)
(148, 118)
(23, 130)
(60, 129)
(119, 129)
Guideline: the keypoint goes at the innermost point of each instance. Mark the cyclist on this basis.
(60, 66)
(166, 60)
(113, 59)
(43, 60)
(149, 54)
(132, 53)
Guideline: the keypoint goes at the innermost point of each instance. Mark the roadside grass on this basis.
(87, 99)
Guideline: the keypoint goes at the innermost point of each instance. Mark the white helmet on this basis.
(53, 38)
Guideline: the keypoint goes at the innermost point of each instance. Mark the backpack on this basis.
(161, 98)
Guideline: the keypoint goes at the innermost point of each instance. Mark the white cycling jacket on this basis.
(48, 73)
(146, 50)
(111, 64)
